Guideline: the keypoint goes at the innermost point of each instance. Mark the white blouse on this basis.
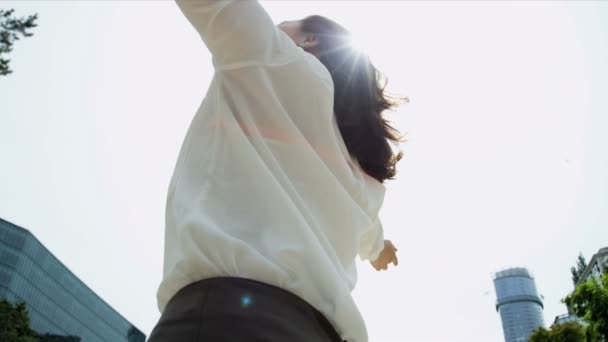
(264, 187)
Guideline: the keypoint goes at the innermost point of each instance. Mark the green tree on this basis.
(10, 30)
(589, 301)
(15, 326)
(134, 335)
(15, 323)
(57, 338)
(541, 334)
(577, 271)
(566, 332)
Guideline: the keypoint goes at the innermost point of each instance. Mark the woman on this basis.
(277, 186)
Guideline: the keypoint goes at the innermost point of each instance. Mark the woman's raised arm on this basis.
(236, 31)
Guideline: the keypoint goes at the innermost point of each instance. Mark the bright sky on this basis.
(506, 163)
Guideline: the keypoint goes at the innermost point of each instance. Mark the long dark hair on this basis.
(359, 98)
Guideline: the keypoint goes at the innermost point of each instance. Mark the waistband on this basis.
(249, 290)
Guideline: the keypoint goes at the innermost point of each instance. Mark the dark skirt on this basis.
(229, 309)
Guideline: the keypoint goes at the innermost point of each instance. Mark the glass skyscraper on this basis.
(518, 302)
(57, 301)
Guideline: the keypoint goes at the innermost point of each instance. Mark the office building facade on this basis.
(567, 318)
(58, 302)
(518, 303)
(597, 266)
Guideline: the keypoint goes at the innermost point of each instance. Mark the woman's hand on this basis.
(387, 256)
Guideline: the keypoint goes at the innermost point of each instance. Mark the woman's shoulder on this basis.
(319, 70)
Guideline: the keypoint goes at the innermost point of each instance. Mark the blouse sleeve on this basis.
(372, 241)
(237, 32)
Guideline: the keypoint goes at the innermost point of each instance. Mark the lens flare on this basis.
(355, 45)
(245, 301)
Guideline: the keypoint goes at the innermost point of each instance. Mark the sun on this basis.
(355, 43)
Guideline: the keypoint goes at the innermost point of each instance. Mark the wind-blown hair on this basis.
(359, 98)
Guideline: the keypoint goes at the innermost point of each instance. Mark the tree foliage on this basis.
(57, 338)
(541, 334)
(577, 271)
(15, 326)
(566, 332)
(15, 323)
(133, 335)
(10, 30)
(589, 301)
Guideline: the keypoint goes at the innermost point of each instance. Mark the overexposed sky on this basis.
(506, 162)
